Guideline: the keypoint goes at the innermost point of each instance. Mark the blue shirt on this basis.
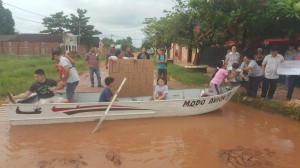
(106, 95)
(161, 65)
(294, 56)
(256, 70)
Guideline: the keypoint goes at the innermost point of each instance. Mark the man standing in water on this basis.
(92, 61)
(70, 77)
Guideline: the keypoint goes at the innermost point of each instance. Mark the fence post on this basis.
(2, 48)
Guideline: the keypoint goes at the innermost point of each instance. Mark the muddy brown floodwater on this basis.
(234, 136)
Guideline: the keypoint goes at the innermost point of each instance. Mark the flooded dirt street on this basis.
(211, 140)
(234, 136)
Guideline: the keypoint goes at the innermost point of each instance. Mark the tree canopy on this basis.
(107, 42)
(201, 23)
(125, 43)
(6, 21)
(59, 23)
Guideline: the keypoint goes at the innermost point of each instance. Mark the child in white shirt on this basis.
(161, 90)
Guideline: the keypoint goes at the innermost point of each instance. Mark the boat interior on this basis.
(94, 97)
(80, 97)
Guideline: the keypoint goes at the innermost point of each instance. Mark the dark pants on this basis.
(162, 73)
(292, 81)
(269, 87)
(253, 84)
(97, 72)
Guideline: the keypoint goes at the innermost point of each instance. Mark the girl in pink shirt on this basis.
(217, 79)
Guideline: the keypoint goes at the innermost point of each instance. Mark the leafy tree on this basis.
(129, 39)
(157, 32)
(146, 43)
(237, 20)
(75, 24)
(285, 17)
(198, 24)
(78, 25)
(107, 42)
(125, 43)
(56, 23)
(6, 21)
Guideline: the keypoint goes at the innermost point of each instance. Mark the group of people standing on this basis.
(115, 55)
(255, 70)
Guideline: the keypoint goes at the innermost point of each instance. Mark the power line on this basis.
(123, 37)
(27, 20)
(120, 30)
(23, 9)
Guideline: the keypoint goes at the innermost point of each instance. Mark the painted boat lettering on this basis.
(193, 103)
(216, 99)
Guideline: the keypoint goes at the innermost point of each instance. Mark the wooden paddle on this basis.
(110, 104)
(11, 98)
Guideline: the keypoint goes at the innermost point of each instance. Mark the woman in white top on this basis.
(232, 57)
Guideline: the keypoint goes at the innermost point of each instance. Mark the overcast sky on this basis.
(119, 18)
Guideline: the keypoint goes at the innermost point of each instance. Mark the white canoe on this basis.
(86, 108)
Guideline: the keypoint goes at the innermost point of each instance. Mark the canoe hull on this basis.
(30, 114)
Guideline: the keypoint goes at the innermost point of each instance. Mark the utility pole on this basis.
(79, 36)
(111, 36)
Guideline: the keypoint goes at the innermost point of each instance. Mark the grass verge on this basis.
(182, 75)
(16, 72)
(269, 106)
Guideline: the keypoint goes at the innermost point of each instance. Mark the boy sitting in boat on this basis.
(107, 94)
(44, 88)
(161, 90)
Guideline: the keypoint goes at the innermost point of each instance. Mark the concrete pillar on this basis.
(9, 48)
(42, 48)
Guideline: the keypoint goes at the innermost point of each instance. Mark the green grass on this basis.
(269, 106)
(182, 75)
(16, 72)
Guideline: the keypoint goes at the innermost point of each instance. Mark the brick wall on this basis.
(32, 48)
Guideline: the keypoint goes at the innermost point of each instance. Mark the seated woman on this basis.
(161, 90)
